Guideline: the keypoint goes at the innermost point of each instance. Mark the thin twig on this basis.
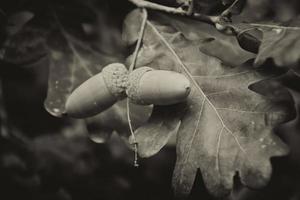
(202, 17)
(176, 11)
(132, 66)
(229, 9)
(205, 18)
(158, 7)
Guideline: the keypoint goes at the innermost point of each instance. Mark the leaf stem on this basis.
(140, 38)
(132, 66)
(275, 26)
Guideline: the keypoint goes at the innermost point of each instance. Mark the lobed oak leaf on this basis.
(281, 44)
(16, 21)
(24, 44)
(72, 60)
(71, 54)
(101, 126)
(211, 38)
(160, 126)
(224, 127)
(288, 83)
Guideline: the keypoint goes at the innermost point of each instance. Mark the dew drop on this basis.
(277, 30)
(56, 110)
(56, 55)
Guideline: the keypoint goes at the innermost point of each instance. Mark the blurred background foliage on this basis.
(43, 157)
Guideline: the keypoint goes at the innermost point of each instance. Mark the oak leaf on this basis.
(281, 44)
(224, 128)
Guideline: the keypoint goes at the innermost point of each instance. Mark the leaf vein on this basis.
(222, 76)
(193, 80)
(218, 151)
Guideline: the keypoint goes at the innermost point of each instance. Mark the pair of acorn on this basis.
(143, 86)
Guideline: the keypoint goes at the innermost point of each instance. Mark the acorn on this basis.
(99, 92)
(159, 87)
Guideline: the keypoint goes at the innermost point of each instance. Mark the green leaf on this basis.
(225, 127)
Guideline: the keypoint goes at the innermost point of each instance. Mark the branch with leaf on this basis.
(223, 22)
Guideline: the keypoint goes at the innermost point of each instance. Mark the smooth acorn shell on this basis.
(98, 93)
(159, 87)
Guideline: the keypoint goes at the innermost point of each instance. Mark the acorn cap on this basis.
(115, 76)
(132, 90)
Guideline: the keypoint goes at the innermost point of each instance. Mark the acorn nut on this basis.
(159, 87)
(99, 92)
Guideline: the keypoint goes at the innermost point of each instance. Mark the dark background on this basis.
(43, 157)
